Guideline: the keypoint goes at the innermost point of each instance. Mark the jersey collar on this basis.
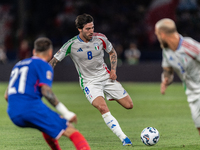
(180, 41)
(81, 39)
(36, 57)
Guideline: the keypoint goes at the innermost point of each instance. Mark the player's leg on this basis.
(74, 135)
(53, 127)
(198, 130)
(110, 121)
(53, 143)
(100, 104)
(95, 96)
(31, 119)
(77, 138)
(126, 102)
(115, 91)
(195, 112)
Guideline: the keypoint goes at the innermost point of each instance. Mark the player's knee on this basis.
(129, 102)
(129, 106)
(103, 108)
(69, 131)
(198, 128)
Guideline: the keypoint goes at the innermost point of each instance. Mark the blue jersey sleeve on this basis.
(45, 74)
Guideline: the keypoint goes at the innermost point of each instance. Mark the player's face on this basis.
(87, 32)
(163, 43)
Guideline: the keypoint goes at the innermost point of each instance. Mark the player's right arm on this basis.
(166, 78)
(49, 95)
(63, 52)
(53, 62)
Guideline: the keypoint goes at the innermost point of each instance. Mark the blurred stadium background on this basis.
(123, 22)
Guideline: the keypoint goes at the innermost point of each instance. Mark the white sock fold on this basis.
(113, 124)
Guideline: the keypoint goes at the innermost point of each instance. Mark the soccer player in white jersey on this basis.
(180, 55)
(87, 52)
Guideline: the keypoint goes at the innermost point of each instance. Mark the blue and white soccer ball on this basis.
(150, 136)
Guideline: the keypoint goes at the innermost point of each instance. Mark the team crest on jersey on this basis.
(96, 46)
(49, 75)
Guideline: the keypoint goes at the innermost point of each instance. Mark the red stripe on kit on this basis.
(99, 34)
(189, 54)
(191, 47)
(104, 44)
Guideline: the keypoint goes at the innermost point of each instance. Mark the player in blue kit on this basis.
(31, 79)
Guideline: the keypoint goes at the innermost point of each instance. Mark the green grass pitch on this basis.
(169, 113)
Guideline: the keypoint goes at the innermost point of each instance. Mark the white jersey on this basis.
(185, 61)
(87, 57)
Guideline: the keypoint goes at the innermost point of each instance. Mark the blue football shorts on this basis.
(43, 119)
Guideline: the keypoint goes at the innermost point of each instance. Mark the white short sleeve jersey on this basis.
(87, 57)
(185, 61)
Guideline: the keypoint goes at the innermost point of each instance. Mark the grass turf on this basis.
(170, 114)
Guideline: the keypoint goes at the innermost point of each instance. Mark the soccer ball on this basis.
(150, 136)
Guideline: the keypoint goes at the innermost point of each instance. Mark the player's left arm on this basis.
(113, 62)
(49, 95)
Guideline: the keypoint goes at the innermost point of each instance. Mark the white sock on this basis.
(113, 124)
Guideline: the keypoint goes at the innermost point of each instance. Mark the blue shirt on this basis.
(26, 79)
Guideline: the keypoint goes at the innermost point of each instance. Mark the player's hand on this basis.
(113, 75)
(73, 120)
(163, 86)
(6, 95)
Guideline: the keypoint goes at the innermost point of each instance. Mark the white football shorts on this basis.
(195, 111)
(112, 90)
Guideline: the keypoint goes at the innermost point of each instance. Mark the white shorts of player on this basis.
(195, 111)
(112, 90)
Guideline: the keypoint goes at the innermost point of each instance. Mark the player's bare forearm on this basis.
(113, 62)
(168, 75)
(49, 95)
(167, 78)
(167, 71)
(113, 59)
(53, 62)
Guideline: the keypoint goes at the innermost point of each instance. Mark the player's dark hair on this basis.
(82, 20)
(42, 44)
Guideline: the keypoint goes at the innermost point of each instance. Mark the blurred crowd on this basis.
(127, 24)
